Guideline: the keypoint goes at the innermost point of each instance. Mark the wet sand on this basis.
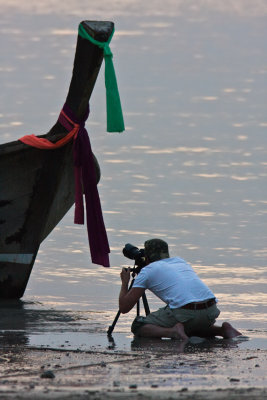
(158, 369)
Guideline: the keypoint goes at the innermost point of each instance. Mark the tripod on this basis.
(145, 304)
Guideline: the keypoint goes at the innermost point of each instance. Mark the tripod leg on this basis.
(138, 308)
(145, 302)
(111, 327)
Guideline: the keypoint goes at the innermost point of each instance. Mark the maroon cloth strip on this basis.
(85, 180)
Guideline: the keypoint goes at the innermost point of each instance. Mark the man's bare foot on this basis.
(178, 332)
(229, 331)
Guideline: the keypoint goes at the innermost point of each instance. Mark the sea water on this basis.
(190, 167)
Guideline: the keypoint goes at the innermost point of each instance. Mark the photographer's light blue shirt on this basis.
(174, 281)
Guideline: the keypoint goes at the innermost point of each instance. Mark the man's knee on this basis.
(138, 323)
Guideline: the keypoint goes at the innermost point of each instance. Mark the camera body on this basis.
(133, 253)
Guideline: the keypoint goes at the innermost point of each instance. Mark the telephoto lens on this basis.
(133, 253)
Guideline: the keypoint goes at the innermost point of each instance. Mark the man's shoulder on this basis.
(173, 263)
(165, 261)
(171, 260)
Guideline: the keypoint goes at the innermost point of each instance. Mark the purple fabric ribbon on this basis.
(85, 181)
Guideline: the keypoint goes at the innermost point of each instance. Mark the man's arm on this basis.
(128, 299)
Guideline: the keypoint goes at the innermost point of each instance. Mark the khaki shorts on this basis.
(194, 321)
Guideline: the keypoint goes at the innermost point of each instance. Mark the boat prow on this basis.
(37, 186)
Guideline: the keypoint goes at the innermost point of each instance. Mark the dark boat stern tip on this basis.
(99, 30)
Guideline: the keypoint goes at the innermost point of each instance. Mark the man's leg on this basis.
(227, 331)
(175, 332)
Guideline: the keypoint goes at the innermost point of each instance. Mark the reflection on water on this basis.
(31, 324)
(194, 11)
(190, 168)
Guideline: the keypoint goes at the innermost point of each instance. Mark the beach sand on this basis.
(151, 370)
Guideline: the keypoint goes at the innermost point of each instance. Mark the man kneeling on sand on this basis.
(191, 308)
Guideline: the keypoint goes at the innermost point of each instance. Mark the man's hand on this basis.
(125, 276)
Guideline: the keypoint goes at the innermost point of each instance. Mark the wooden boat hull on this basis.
(37, 186)
(38, 191)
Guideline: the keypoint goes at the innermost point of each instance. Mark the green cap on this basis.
(156, 249)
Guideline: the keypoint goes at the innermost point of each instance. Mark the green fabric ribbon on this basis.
(115, 122)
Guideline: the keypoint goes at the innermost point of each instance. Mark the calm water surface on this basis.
(190, 168)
